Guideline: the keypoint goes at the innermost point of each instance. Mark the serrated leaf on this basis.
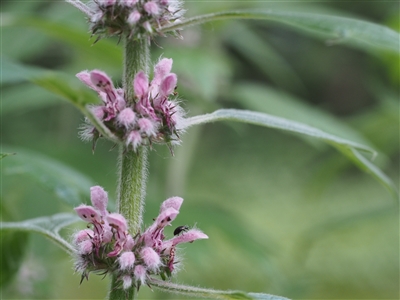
(338, 29)
(197, 292)
(347, 147)
(48, 226)
(65, 183)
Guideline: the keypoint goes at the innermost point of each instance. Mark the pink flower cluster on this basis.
(135, 18)
(153, 117)
(107, 246)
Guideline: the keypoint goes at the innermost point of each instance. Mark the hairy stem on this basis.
(132, 171)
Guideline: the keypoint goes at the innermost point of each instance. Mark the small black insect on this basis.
(181, 229)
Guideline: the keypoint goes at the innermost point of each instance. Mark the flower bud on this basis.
(126, 260)
(150, 258)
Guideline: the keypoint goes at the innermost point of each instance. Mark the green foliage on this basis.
(60, 180)
(48, 226)
(340, 30)
(210, 293)
(12, 250)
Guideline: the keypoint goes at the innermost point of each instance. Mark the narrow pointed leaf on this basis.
(197, 292)
(338, 29)
(367, 166)
(47, 226)
(268, 100)
(61, 85)
(62, 181)
(267, 120)
(347, 147)
(58, 84)
(2, 155)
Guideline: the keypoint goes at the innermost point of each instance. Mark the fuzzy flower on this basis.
(108, 247)
(153, 117)
(133, 18)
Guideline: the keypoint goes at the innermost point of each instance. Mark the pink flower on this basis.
(147, 126)
(134, 17)
(150, 258)
(82, 235)
(126, 282)
(86, 247)
(174, 202)
(99, 199)
(140, 273)
(151, 8)
(102, 84)
(126, 117)
(134, 138)
(187, 237)
(129, 2)
(126, 260)
(110, 248)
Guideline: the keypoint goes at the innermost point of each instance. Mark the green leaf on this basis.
(13, 72)
(12, 250)
(2, 155)
(105, 51)
(64, 182)
(367, 166)
(18, 98)
(62, 85)
(209, 293)
(347, 147)
(268, 100)
(267, 120)
(338, 29)
(48, 226)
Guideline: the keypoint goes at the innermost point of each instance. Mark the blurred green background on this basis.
(285, 215)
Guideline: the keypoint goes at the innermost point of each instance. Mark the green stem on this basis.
(132, 165)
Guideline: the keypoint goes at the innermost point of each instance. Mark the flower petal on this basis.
(88, 213)
(99, 199)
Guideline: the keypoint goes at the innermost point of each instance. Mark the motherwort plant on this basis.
(145, 111)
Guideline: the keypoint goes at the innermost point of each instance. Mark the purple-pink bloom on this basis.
(86, 247)
(140, 273)
(151, 8)
(88, 213)
(134, 17)
(174, 202)
(109, 247)
(147, 126)
(134, 138)
(150, 258)
(82, 235)
(126, 117)
(99, 199)
(126, 260)
(126, 282)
